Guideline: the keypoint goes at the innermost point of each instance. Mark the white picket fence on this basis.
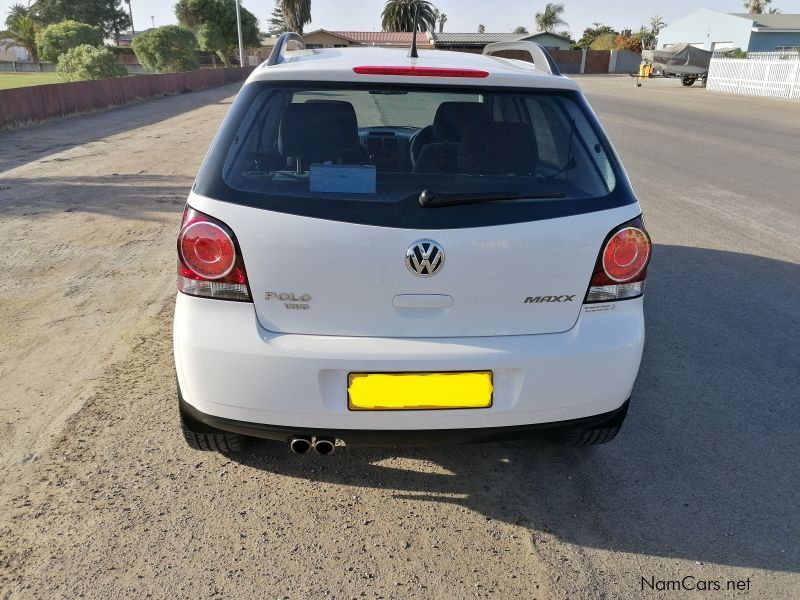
(769, 74)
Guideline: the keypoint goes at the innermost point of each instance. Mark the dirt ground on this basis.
(100, 498)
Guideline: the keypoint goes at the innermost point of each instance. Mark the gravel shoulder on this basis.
(100, 498)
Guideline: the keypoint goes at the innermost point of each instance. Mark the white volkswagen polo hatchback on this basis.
(389, 250)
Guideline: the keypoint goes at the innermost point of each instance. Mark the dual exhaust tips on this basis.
(300, 444)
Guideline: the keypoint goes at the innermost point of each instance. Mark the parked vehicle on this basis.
(681, 60)
(389, 250)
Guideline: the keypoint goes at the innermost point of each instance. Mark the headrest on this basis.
(453, 117)
(491, 148)
(318, 131)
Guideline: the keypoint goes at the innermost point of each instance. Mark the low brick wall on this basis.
(38, 103)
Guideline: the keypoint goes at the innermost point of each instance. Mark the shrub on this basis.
(607, 41)
(167, 49)
(629, 42)
(54, 40)
(89, 62)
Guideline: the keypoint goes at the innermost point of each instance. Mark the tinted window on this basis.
(314, 149)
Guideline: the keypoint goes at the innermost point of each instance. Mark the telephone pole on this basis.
(239, 27)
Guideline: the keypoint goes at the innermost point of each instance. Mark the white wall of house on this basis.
(14, 54)
(708, 29)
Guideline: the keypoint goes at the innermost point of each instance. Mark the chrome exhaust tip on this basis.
(299, 444)
(324, 445)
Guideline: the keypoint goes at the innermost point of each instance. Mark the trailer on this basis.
(683, 61)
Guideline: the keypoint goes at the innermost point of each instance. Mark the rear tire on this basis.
(591, 436)
(688, 81)
(224, 443)
(208, 441)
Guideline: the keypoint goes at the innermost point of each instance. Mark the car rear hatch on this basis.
(313, 276)
(327, 185)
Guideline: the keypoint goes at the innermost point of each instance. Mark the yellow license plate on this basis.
(419, 391)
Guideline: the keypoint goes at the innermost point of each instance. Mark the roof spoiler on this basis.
(281, 47)
(539, 55)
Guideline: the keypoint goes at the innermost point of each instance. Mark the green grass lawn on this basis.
(18, 80)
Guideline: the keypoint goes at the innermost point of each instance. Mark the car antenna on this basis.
(413, 52)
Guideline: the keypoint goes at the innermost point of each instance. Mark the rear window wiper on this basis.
(428, 199)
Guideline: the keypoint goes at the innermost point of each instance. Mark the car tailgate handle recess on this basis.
(422, 301)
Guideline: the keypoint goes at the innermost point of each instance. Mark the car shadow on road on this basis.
(706, 466)
(20, 146)
(121, 195)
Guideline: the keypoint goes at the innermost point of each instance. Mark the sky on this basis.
(465, 15)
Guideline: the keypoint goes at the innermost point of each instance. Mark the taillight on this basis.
(621, 267)
(209, 259)
(421, 72)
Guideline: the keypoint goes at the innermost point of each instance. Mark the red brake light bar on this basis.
(421, 72)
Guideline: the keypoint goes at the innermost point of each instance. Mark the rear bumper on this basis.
(203, 423)
(231, 369)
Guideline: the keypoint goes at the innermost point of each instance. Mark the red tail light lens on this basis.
(210, 262)
(621, 267)
(207, 250)
(626, 254)
(422, 72)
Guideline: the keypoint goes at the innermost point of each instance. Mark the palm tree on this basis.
(657, 24)
(442, 21)
(296, 14)
(481, 28)
(17, 10)
(756, 7)
(551, 17)
(398, 15)
(21, 32)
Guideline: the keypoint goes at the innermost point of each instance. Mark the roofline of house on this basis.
(762, 29)
(333, 33)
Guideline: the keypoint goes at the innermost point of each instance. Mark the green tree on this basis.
(168, 49)
(296, 14)
(566, 34)
(520, 30)
(606, 41)
(276, 24)
(551, 17)
(54, 40)
(107, 15)
(214, 23)
(657, 24)
(757, 7)
(21, 31)
(442, 21)
(398, 15)
(18, 10)
(481, 28)
(592, 33)
(89, 62)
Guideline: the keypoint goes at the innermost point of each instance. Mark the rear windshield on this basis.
(322, 146)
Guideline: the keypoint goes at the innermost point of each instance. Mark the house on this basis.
(475, 42)
(125, 38)
(715, 30)
(322, 38)
(13, 53)
(464, 42)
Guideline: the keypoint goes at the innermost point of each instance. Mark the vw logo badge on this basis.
(425, 258)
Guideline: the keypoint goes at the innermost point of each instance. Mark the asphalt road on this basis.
(99, 497)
